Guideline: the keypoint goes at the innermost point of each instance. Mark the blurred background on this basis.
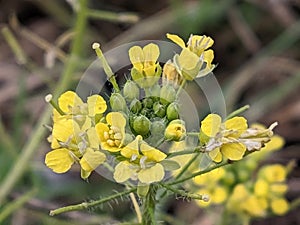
(257, 49)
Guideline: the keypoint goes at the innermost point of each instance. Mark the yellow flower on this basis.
(221, 139)
(112, 133)
(146, 71)
(279, 206)
(142, 163)
(190, 61)
(175, 131)
(74, 144)
(170, 75)
(273, 173)
(74, 108)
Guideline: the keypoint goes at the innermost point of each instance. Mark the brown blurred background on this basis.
(257, 50)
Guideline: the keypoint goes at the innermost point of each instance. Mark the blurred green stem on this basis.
(14, 205)
(149, 203)
(87, 205)
(123, 17)
(21, 163)
(6, 140)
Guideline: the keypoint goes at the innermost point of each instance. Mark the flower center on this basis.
(113, 137)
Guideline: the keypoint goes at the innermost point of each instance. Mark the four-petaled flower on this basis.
(145, 71)
(221, 139)
(72, 143)
(190, 62)
(112, 133)
(142, 163)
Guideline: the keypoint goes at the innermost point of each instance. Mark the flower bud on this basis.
(175, 131)
(135, 106)
(155, 90)
(159, 109)
(167, 94)
(131, 90)
(148, 102)
(157, 132)
(141, 125)
(173, 111)
(117, 102)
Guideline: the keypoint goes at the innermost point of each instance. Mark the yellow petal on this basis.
(218, 195)
(153, 174)
(261, 188)
(233, 151)
(136, 56)
(279, 206)
(151, 53)
(132, 149)
(208, 57)
(210, 126)
(123, 172)
(59, 160)
(176, 39)
(216, 155)
(187, 59)
(274, 173)
(96, 105)
(279, 188)
(275, 143)
(100, 129)
(93, 138)
(118, 120)
(199, 43)
(238, 124)
(151, 153)
(64, 129)
(91, 160)
(67, 100)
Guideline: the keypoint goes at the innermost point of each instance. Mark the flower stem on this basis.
(199, 173)
(38, 133)
(149, 207)
(86, 205)
(106, 67)
(238, 111)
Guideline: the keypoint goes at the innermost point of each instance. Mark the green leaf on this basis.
(170, 165)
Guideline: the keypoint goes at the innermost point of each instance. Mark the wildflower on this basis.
(74, 108)
(112, 133)
(72, 144)
(146, 71)
(232, 137)
(221, 139)
(143, 163)
(190, 62)
(175, 131)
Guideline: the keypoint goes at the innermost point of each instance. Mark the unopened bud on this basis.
(148, 102)
(117, 102)
(175, 131)
(131, 90)
(135, 106)
(167, 94)
(173, 111)
(141, 125)
(159, 109)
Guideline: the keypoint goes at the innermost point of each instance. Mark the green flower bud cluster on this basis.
(148, 116)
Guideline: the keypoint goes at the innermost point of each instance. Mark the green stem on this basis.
(149, 207)
(87, 205)
(180, 87)
(184, 193)
(123, 17)
(237, 112)
(21, 164)
(199, 173)
(14, 205)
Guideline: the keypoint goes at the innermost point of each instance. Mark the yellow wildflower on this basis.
(175, 131)
(146, 71)
(221, 139)
(74, 108)
(190, 62)
(74, 144)
(112, 133)
(142, 163)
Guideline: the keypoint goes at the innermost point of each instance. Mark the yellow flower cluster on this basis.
(234, 187)
(231, 139)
